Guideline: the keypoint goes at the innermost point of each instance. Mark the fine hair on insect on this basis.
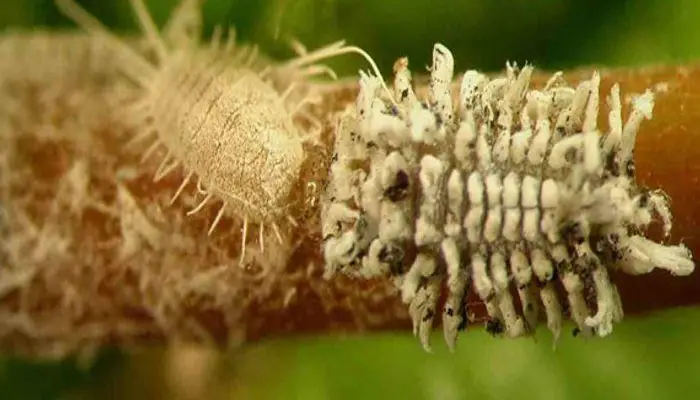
(508, 190)
(219, 112)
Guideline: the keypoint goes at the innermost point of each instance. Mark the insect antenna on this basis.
(332, 50)
(139, 70)
(319, 69)
(184, 27)
(149, 29)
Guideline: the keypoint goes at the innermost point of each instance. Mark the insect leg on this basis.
(149, 152)
(164, 168)
(200, 205)
(243, 238)
(277, 233)
(230, 40)
(181, 187)
(145, 133)
(261, 238)
(217, 219)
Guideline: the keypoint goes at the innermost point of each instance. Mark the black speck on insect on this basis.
(573, 233)
(404, 94)
(438, 119)
(560, 266)
(463, 322)
(350, 250)
(355, 262)
(429, 314)
(615, 238)
(371, 145)
(494, 326)
(644, 199)
(600, 245)
(394, 257)
(611, 165)
(399, 190)
(565, 308)
(555, 275)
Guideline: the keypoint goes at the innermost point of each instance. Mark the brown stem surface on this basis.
(93, 254)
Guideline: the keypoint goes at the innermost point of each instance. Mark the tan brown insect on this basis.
(221, 115)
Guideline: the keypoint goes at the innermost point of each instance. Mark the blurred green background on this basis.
(482, 34)
(655, 357)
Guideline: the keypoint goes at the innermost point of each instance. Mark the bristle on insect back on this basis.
(512, 188)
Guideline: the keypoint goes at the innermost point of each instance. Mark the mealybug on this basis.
(225, 120)
(513, 189)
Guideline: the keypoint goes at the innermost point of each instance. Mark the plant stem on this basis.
(74, 197)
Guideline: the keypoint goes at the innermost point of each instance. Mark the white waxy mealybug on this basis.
(216, 112)
(513, 190)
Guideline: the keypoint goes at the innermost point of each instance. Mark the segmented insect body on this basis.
(228, 122)
(219, 115)
(512, 187)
